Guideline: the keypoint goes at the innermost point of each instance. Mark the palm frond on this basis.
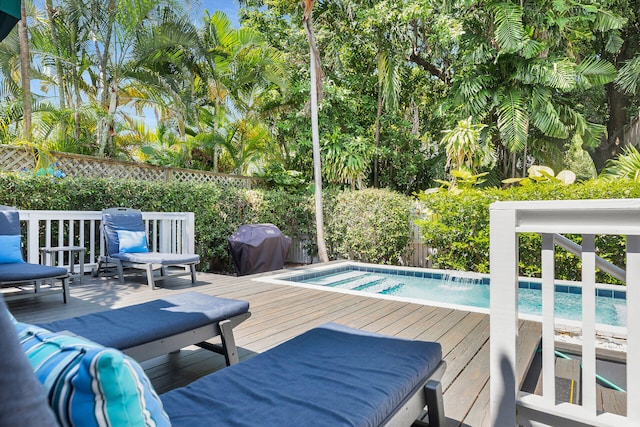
(548, 121)
(629, 76)
(627, 165)
(513, 121)
(613, 41)
(509, 30)
(389, 78)
(594, 71)
(560, 75)
(532, 48)
(607, 21)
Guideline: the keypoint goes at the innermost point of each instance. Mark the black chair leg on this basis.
(435, 404)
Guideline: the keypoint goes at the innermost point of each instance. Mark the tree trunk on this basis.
(56, 42)
(103, 131)
(25, 65)
(377, 136)
(317, 166)
(618, 102)
(611, 145)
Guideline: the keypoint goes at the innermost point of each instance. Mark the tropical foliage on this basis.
(411, 90)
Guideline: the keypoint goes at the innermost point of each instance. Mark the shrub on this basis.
(458, 226)
(369, 225)
(218, 211)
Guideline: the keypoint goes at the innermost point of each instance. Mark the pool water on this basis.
(466, 289)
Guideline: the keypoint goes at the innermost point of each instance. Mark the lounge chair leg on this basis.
(193, 273)
(150, 280)
(120, 272)
(435, 404)
(65, 289)
(228, 342)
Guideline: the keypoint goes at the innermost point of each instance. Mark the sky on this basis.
(229, 7)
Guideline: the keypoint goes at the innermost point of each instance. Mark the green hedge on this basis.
(369, 225)
(458, 226)
(218, 211)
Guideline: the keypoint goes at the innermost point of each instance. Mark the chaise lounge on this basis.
(126, 245)
(162, 326)
(331, 375)
(25, 277)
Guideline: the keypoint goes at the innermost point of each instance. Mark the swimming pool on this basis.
(460, 289)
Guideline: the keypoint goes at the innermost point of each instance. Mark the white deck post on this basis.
(633, 329)
(189, 231)
(504, 317)
(548, 320)
(33, 250)
(589, 324)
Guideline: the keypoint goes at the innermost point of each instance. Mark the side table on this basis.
(49, 257)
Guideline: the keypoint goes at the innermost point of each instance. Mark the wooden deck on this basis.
(280, 312)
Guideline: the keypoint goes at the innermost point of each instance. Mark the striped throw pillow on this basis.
(90, 385)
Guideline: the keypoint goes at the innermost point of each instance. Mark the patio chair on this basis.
(162, 326)
(15, 272)
(126, 246)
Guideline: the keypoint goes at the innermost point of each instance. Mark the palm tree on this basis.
(316, 90)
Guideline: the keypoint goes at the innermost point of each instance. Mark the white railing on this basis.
(171, 232)
(509, 406)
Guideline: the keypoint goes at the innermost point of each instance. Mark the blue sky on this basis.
(229, 7)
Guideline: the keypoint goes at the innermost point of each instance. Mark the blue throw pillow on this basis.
(132, 241)
(90, 385)
(10, 251)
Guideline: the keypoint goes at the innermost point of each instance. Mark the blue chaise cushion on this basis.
(10, 251)
(127, 327)
(23, 271)
(329, 376)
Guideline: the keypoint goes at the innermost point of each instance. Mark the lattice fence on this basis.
(13, 159)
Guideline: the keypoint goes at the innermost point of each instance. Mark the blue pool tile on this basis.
(607, 293)
(620, 295)
(535, 285)
(562, 288)
(523, 285)
(575, 290)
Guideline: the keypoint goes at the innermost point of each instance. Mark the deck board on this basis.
(280, 312)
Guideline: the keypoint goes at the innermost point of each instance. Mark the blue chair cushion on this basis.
(127, 327)
(10, 251)
(23, 271)
(115, 219)
(9, 221)
(132, 241)
(89, 385)
(328, 376)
